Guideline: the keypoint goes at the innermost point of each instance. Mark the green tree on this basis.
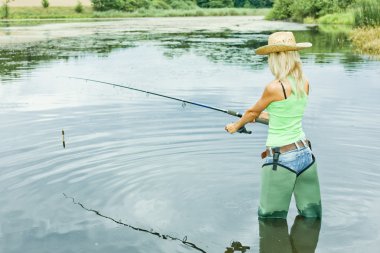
(261, 3)
(203, 3)
(220, 3)
(299, 9)
(105, 5)
(45, 3)
(160, 4)
(5, 8)
(181, 4)
(239, 3)
(79, 7)
(281, 9)
(132, 5)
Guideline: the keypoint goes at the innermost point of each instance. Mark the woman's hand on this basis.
(231, 128)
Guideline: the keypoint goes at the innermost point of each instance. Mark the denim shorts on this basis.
(297, 159)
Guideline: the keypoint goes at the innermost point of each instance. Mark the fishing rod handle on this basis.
(243, 130)
(258, 120)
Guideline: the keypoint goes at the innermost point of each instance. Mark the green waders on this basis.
(278, 182)
(303, 237)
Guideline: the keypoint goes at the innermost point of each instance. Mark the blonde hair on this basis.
(283, 64)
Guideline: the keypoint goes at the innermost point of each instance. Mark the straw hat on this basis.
(280, 42)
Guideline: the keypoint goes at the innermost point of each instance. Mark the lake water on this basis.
(163, 168)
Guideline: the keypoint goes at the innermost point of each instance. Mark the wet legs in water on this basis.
(303, 237)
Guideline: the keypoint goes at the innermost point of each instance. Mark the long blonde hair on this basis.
(283, 64)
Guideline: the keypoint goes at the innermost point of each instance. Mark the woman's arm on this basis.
(264, 115)
(268, 96)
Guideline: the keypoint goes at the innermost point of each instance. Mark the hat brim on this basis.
(281, 48)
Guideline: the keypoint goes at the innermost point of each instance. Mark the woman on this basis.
(290, 165)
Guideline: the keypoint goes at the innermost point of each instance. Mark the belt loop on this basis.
(298, 147)
(270, 151)
(304, 143)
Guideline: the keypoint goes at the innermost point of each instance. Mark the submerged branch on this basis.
(162, 236)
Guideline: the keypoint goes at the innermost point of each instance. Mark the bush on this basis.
(337, 18)
(220, 3)
(160, 4)
(259, 3)
(79, 7)
(215, 3)
(281, 10)
(105, 5)
(300, 9)
(182, 4)
(133, 5)
(45, 3)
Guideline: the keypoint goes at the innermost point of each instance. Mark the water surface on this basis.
(169, 168)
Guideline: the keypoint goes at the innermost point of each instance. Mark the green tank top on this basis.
(285, 118)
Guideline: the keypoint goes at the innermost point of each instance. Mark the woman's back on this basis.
(285, 124)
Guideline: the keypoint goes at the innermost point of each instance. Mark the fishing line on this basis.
(162, 236)
(183, 101)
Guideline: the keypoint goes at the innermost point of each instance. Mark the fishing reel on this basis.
(244, 130)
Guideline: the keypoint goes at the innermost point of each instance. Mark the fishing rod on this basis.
(230, 112)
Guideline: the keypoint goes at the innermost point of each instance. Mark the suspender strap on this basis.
(283, 89)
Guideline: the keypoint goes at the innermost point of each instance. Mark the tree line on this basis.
(132, 5)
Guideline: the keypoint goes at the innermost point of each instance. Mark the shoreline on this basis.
(88, 12)
(37, 3)
(13, 35)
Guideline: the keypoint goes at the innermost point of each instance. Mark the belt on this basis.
(286, 148)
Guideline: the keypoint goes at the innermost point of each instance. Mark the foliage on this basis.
(260, 3)
(234, 3)
(45, 3)
(133, 5)
(299, 9)
(79, 7)
(5, 9)
(337, 18)
(104, 5)
(367, 13)
(220, 3)
(160, 5)
(281, 10)
(88, 12)
(182, 4)
(239, 3)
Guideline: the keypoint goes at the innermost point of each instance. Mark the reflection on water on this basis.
(303, 237)
(152, 232)
(163, 167)
(223, 47)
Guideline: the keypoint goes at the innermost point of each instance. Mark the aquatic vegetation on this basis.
(367, 13)
(366, 40)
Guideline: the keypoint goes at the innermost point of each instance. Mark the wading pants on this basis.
(279, 182)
